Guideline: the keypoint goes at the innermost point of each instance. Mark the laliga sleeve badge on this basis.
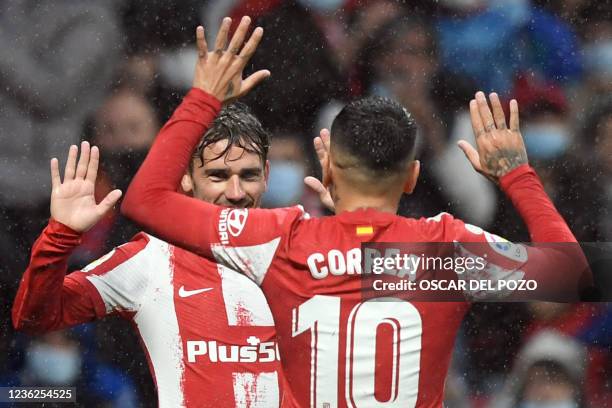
(502, 246)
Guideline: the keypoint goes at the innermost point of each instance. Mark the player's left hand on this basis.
(499, 149)
(321, 145)
(219, 72)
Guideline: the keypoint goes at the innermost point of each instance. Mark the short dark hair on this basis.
(377, 133)
(240, 127)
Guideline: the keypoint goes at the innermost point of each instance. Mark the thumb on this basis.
(471, 154)
(109, 201)
(315, 184)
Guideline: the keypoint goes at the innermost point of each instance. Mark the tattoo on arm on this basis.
(501, 162)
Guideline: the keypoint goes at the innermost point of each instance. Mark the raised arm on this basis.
(501, 157)
(152, 200)
(46, 299)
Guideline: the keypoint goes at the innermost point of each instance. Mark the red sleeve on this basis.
(543, 221)
(46, 300)
(554, 260)
(152, 200)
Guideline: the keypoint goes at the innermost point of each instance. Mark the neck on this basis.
(347, 200)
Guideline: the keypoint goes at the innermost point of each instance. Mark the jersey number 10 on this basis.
(321, 315)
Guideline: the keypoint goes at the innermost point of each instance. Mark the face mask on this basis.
(546, 142)
(285, 184)
(381, 89)
(322, 6)
(120, 167)
(552, 404)
(598, 58)
(53, 366)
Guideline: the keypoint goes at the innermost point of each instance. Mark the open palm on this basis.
(73, 201)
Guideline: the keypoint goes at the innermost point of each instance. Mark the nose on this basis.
(234, 191)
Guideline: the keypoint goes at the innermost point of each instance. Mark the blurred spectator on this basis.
(597, 46)
(57, 58)
(123, 128)
(304, 75)
(288, 167)
(548, 372)
(56, 359)
(400, 62)
(492, 334)
(573, 320)
(491, 41)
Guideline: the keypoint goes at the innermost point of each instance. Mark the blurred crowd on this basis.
(112, 72)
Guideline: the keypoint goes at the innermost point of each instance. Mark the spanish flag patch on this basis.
(364, 230)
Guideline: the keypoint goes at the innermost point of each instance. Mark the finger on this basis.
(56, 180)
(81, 170)
(239, 36)
(326, 138)
(249, 48)
(471, 154)
(498, 112)
(253, 80)
(315, 184)
(201, 43)
(476, 120)
(485, 112)
(319, 148)
(514, 115)
(94, 160)
(221, 40)
(71, 163)
(109, 201)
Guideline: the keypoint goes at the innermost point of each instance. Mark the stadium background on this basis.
(111, 72)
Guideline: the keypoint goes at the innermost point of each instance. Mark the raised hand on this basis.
(72, 201)
(321, 145)
(499, 149)
(219, 72)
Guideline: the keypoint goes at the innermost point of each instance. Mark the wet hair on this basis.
(240, 128)
(377, 134)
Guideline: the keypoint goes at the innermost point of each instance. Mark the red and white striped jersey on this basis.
(207, 331)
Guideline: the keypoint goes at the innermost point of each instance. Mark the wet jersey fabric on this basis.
(207, 330)
(338, 348)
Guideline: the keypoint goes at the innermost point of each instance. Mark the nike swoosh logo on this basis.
(186, 293)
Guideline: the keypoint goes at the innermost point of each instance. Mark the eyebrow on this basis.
(245, 171)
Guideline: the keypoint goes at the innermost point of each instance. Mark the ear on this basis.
(266, 174)
(187, 184)
(413, 174)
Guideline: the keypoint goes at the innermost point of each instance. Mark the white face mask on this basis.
(53, 365)
(546, 141)
(598, 58)
(285, 184)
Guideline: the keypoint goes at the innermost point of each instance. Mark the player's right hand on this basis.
(73, 202)
(499, 149)
(219, 72)
(321, 146)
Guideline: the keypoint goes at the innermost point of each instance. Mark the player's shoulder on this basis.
(434, 228)
(141, 247)
(280, 217)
